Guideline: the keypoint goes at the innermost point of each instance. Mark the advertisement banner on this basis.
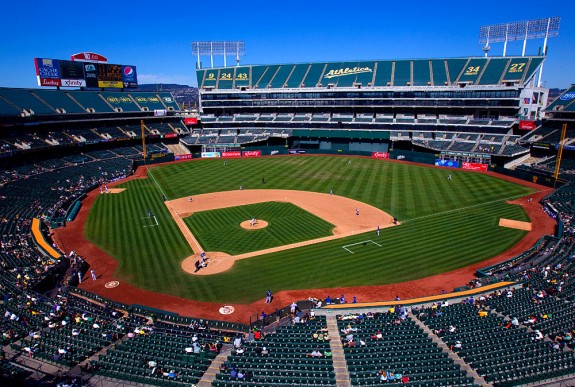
(110, 84)
(72, 82)
(170, 135)
(296, 151)
(527, 125)
(71, 70)
(380, 155)
(210, 154)
(191, 120)
(160, 112)
(539, 145)
(129, 77)
(254, 153)
(88, 57)
(565, 147)
(187, 156)
(91, 74)
(447, 163)
(474, 166)
(110, 76)
(48, 82)
(231, 154)
(47, 68)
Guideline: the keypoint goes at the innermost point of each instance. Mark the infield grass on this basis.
(446, 225)
(219, 230)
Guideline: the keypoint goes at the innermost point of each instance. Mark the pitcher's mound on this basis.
(257, 225)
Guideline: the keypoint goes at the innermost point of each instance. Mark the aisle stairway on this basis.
(339, 363)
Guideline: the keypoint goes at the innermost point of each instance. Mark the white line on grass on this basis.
(189, 232)
(155, 220)
(359, 243)
(468, 207)
(155, 181)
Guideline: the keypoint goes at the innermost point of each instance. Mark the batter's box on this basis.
(363, 243)
(149, 221)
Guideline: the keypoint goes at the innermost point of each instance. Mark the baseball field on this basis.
(444, 225)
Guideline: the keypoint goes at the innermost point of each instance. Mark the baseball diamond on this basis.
(450, 227)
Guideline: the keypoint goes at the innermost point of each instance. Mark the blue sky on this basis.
(156, 36)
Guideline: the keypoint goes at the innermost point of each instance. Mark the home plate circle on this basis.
(228, 309)
(112, 284)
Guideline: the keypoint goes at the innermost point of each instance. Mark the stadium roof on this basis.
(565, 103)
(482, 71)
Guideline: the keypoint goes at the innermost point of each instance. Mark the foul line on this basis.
(359, 243)
(178, 217)
(198, 248)
(155, 181)
(468, 207)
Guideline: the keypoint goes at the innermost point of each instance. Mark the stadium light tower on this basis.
(213, 47)
(522, 30)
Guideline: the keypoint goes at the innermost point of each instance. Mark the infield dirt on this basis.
(349, 217)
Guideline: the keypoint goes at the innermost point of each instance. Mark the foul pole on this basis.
(143, 138)
(560, 153)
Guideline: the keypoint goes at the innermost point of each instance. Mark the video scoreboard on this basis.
(67, 73)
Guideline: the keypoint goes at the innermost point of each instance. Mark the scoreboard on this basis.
(110, 75)
(67, 73)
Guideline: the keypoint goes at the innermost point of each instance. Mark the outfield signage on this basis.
(191, 120)
(47, 72)
(465, 154)
(527, 125)
(474, 166)
(92, 74)
(446, 163)
(229, 154)
(296, 151)
(210, 154)
(539, 145)
(565, 147)
(222, 145)
(129, 77)
(187, 156)
(72, 74)
(347, 71)
(380, 155)
(88, 57)
(254, 153)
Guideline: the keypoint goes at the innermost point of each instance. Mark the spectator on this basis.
(315, 353)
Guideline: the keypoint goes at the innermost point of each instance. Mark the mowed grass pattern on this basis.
(446, 225)
(220, 230)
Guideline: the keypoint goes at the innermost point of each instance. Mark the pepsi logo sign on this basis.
(568, 96)
(128, 71)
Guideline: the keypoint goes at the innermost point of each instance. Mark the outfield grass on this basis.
(446, 225)
(219, 230)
